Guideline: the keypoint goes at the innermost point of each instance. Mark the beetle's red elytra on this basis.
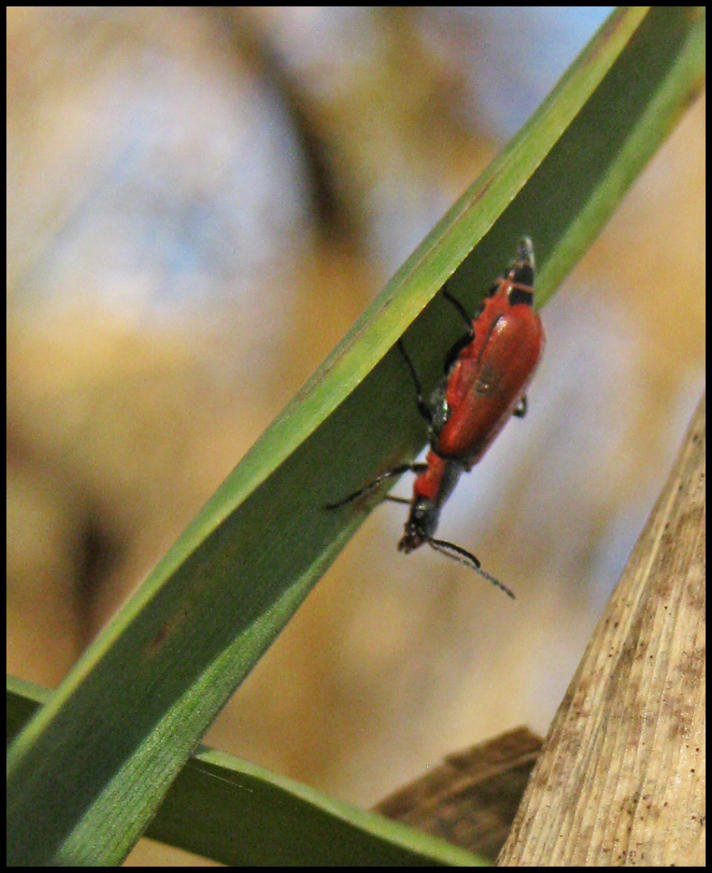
(486, 376)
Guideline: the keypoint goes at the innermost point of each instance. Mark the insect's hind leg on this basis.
(463, 312)
(423, 407)
(464, 340)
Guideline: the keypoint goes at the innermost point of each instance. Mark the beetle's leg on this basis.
(520, 410)
(463, 312)
(423, 407)
(465, 340)
(389, 474)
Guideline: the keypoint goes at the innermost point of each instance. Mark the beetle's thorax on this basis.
(430, 491)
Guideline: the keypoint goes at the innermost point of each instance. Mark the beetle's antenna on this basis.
(450, 550)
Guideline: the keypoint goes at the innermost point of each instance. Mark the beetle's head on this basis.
(421, 525)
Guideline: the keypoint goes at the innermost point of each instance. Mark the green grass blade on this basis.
(242, 815)
(281, 822)
(89, 770)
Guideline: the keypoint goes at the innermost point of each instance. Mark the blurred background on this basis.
(190, 193)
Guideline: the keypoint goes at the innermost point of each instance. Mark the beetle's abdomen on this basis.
(487, 381)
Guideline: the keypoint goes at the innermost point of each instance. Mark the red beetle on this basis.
(486, 375)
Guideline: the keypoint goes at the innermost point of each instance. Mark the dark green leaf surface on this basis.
(242, 815)
(88, 772)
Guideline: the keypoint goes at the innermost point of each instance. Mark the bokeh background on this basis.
(200, 203)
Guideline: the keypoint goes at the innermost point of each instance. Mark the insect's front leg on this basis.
(389, 474)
